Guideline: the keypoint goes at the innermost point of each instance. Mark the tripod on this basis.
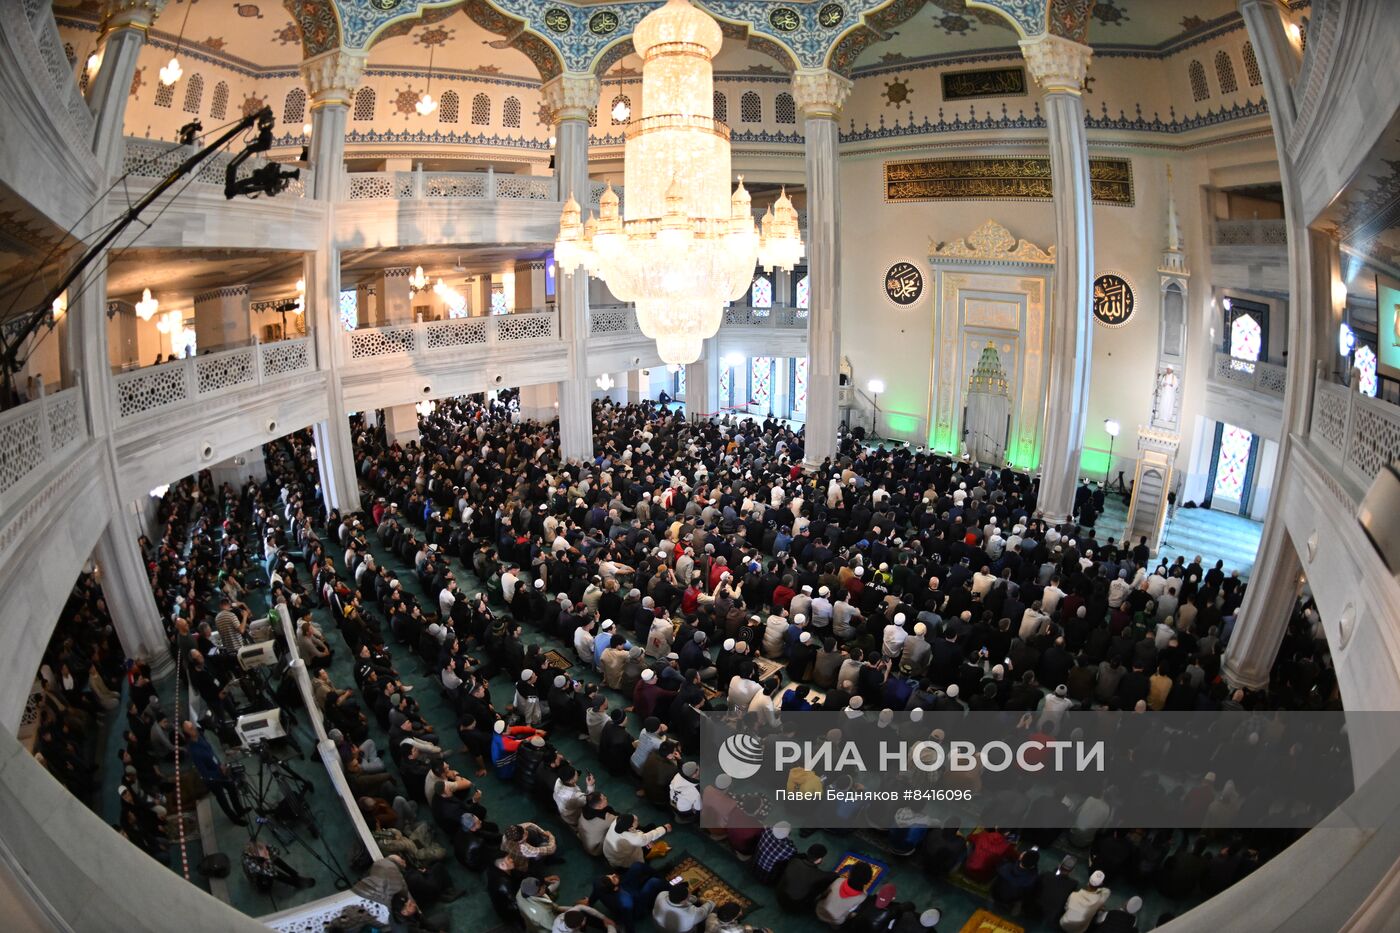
(291, 806)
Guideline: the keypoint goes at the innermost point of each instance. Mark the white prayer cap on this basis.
(920, 628)
(1134, 904)
(1096, 880)
(899, 618)
(648, 675)
(728, 644)
(782, 830)
(799, 619)
(953, 691)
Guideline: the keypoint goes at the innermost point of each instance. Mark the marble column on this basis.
(126, 587)
(1273, 584)
(820, 93)
(569, 97)
(1058, 66)
(401, 424)
(702, 382)
(1262, 620)
(331, 78)
(123, 33)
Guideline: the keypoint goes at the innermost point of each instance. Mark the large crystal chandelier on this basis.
(685, 247)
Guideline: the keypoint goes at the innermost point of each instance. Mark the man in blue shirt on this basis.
(214, 772)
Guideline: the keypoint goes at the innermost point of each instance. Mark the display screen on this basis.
(1388, 326)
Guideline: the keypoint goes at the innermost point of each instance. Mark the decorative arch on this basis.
(194, 94)
(294, 107)
(732, 32)
(513, 30)
(1196, 72)
(318, 22)
(1225, 73)
(1027, 17)
(449, 107)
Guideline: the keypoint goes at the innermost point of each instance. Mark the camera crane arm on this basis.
(12, 338)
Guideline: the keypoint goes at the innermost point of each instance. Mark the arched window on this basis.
(218, 107)
(721, 107)
(750, 108)
(1246, 338)
(165, 94)
(626, 102)
(449, 107)
(364, 104)
(785, 108)
(1251, 66)
(194, 94)
(804, 293)
(1199, 89)
(510, 112)
(69, 54)
(1366, 363)
(1225, 72)
(481, 110)
(294, 107)
(761, 293)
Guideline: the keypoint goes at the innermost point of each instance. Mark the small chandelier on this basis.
(605, 382)
(621, 112)
(146, 308)
(425, 408)
(301, 297)
(685, 247)
(426, 104)
(418, 281)
(172, 70)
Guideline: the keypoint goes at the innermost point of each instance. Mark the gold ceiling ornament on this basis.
(683, 247)
(992, 242)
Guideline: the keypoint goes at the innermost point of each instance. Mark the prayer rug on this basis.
(708, 885)
(877, 867)
(984, 921)
(767, 667)
(982, 889)
(554, 660)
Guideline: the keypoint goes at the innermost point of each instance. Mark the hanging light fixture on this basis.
(605, 382)
(418, 281)
(146, 308)
(426, 104)
(685, 246)
(425, 408)
(172, 70)
(60, 306)
(621, 112)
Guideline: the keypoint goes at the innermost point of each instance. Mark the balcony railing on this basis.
(1360, 433)
(471, 186)
(153, 388)
(156, 158)
(622, 318)
(431, 337)
(1249, 233)
(1269, 378)
(35, 434)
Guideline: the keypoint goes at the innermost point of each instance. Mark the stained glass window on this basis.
(1233, 463)
(680, 383)
(498, 300)
(349, 309)
(799, 386)
(1246, 338)
(725, 374)
(760, 383)
(804, 293)
(761, 294)
(1366, 363)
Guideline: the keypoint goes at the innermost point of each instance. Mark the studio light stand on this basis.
(875, 386)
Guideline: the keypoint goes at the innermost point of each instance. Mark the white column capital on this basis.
(1056, 63)
(570, 95)
(820, 92)
(332, 76)
(129, 14)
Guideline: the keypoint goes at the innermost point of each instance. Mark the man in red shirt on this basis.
(987, 849)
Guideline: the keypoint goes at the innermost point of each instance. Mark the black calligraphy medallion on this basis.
(1114, 301)
(904, 284)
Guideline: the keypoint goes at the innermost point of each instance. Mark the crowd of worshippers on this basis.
(681, 536)
(886, 579)
(78, 683)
